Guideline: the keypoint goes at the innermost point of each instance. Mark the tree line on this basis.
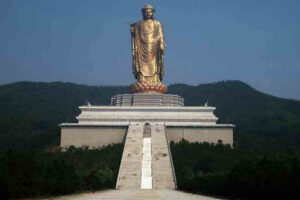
(40, 173)
(219, 170)
(264, 160)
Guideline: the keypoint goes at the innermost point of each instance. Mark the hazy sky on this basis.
(88, 41)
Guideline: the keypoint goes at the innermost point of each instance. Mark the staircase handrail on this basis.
(170, 155)
(123, 156)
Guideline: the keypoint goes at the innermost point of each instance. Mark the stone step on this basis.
(162, 172)
(146, 178)
(146, 162)
(130, 169)
(146, 183)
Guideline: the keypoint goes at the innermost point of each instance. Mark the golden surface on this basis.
(144, 87)
(148, 48)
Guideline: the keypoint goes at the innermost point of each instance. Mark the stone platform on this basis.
(125, 121)
(104, 125)
(146, 99)
(124, 115)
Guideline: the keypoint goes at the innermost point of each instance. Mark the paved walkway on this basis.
(134, 195)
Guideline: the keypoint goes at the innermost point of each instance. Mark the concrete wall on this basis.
(92, 136)
(200, 134)
(102, 136)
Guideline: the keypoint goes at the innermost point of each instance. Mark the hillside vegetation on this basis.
(30, 173)
(219, 170)
(264, 163)
(30, 112)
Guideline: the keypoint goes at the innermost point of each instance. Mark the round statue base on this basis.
(145, 87)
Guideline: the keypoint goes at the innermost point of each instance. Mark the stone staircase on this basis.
(131, 164)
(146, 179)
(162, 166)
(146, 162)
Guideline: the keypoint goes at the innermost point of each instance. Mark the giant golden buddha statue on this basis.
(148, 49)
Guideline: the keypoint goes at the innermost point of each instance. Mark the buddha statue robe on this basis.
(148, 51)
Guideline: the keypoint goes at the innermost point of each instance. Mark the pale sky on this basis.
(88, 41)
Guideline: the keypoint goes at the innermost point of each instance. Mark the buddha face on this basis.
(148, 13)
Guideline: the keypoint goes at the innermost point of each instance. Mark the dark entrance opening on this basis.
(147, 131)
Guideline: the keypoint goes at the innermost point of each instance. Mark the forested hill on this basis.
(30, 112)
